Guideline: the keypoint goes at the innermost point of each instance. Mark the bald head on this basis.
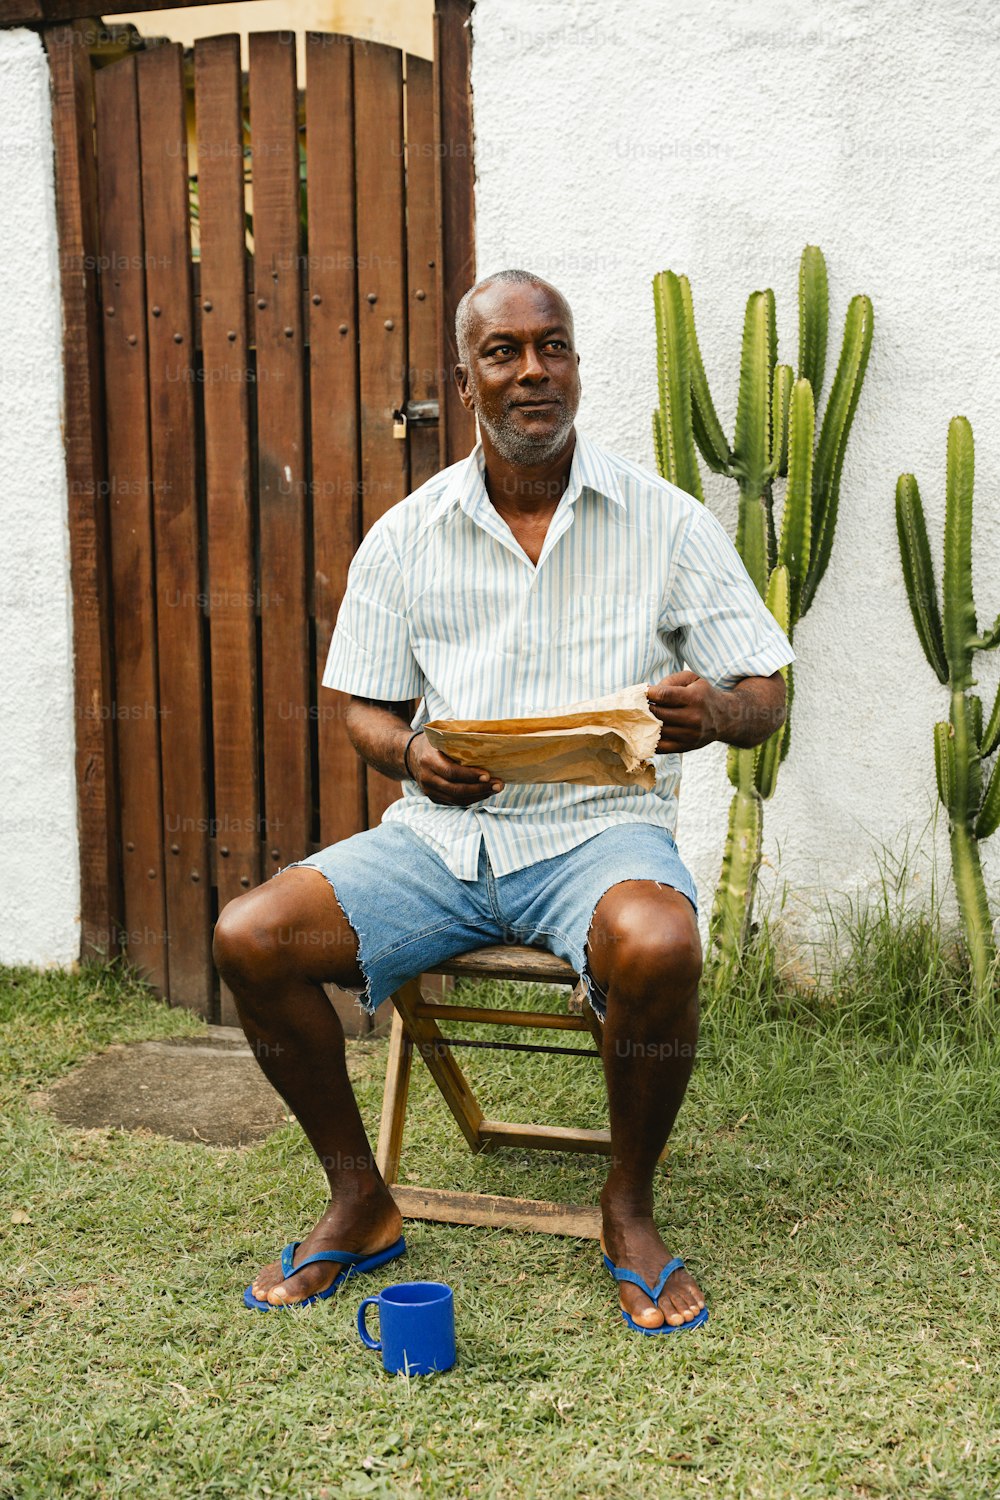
(468, 315)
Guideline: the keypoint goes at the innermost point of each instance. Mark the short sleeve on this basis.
(723, 629)
(370, 653)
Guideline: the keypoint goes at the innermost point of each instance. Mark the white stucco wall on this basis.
(617, 138)
(39, 849)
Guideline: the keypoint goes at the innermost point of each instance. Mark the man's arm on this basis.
(693, 713)
(379, 732)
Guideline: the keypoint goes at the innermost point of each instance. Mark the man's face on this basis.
(522, 379)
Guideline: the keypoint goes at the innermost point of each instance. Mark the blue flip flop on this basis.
(353, 1263)
(653, 1293)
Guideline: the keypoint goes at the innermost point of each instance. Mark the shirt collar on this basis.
(589, 470)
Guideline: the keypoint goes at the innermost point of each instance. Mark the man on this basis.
(540, 570)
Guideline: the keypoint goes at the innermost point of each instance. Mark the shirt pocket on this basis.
(451, 615)
(607, 641)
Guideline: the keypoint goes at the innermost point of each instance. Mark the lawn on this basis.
(832, 1182)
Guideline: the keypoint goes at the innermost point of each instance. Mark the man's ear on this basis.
(462, 381)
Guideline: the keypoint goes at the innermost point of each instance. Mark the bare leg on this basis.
(645, 952)
(275, 947)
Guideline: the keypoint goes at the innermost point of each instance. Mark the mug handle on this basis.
(366, 1337)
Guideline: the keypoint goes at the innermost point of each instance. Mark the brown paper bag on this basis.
(606, 741)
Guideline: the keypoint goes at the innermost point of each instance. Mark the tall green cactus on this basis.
(774, 439)
(962, 744)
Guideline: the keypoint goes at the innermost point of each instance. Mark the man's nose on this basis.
(531, 367)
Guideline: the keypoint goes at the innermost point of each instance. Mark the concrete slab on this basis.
(191, 1089)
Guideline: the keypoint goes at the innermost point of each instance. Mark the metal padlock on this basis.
(399, 424)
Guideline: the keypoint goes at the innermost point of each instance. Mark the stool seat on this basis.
(414, 1025)
(510, 961)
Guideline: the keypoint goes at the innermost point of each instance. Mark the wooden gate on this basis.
(273, 281)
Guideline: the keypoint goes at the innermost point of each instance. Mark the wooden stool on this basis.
(414, 1024)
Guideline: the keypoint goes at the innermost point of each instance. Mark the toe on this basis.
(303, 1284)
(681, 1300)
(640, 1309)
(265, 1279)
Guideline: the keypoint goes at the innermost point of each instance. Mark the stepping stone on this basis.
(190, 1088)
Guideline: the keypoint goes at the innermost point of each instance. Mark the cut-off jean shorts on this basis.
(409, 912)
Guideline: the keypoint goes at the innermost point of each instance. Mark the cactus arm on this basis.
(751, 539)
(781, 395)
(918, 573)
(789, 677)
(708, 432)
(971, 891)
(673, 369)
(659, 445)
(796, 523)
(703, 439)
(832, 445)
(772, 539)
(778, 601)
(944, 763)
(989, 638)
(964, 817)
(990, 737)
(959, 608)
(732, 907)
(988, 820)
(813, 317)
(752, 445)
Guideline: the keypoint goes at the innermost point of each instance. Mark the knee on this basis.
(246, 945)
(655, 951)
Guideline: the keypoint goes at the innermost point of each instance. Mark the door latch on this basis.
(414, 414)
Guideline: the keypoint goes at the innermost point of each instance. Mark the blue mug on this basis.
(417, 1324)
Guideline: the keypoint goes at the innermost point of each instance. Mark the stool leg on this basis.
(397, 1088)
(426, 1036)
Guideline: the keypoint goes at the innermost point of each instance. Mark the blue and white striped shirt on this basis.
(636, 579)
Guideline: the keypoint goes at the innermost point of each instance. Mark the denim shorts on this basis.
(409, 912)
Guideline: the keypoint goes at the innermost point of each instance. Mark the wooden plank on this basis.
(126, 389)
(543, 1217)
(281, 455)
(433, 1048)
(333, 354)
(394, 1097)
(421, 265)
(533, 1019)
(180, 624)
(230, 511)
(455, 200)
(497, 1133)
(513, 961)
(101, 907)
(378, 155)
(29, 12)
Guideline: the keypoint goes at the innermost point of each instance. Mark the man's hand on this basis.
(693, 713)
(443, 780)
(687, 708)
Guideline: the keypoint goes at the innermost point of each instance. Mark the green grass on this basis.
(832, 1183)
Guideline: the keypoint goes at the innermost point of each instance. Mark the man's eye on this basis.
(557, 343)
(501, 349)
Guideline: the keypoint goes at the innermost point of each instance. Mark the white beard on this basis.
(518, 445)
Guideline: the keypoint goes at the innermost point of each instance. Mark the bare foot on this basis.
(363, 1225)
(634, 1244)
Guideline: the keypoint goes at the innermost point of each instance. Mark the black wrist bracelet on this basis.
(406, 764)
